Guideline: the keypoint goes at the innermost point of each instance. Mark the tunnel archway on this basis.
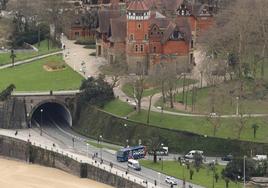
(49, 113)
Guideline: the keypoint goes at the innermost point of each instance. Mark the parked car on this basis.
(228, 157)
(191, 154)
(260, 157)
(171, 180)
(161, 152)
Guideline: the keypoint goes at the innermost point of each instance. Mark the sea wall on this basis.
(25, 151)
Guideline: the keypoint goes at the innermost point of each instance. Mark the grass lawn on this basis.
(118, 108)
(225, 103)
(128, 88)
(103, 145)
(200, 125)
(204, 177)
(33, 77)
(43, 49)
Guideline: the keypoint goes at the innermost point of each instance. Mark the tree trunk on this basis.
(149, 110)
(155, 156)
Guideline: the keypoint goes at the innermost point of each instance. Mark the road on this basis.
(62, 135)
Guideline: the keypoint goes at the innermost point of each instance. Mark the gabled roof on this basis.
(138, 5)
(118, 33)
(104, 19)
(170, 29)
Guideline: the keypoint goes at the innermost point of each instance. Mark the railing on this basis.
(104, 165)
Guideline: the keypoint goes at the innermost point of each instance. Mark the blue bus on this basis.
(135, 152)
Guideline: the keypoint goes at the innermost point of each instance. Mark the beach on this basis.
(17, 174)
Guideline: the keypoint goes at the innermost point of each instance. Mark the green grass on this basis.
(200, 125)
(43, 49)
(128, 88)
(103, 145)
(224, 102)
(118, 108)
(203, 177)
(33, 77)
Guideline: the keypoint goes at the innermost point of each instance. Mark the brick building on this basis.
(142, 37)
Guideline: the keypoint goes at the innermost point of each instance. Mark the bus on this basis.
(135, 152)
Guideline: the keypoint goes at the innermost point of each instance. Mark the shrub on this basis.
(85, 41)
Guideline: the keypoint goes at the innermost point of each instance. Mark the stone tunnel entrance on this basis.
(51, 114)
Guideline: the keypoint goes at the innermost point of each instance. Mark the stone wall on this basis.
(18, 149)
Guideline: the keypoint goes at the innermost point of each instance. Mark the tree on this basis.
(234, 169)
(154, 145)
(138, 87)
(96, 91)
(198, 160)
(7, 92)
(255, 127)
(191, 173)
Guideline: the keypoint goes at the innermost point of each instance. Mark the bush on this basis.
(30, 36)
(86, 41)
(96, 91)
(90, 46)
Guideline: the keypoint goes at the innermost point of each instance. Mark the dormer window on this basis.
(177, 35)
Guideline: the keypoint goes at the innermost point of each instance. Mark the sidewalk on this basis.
(30, 60)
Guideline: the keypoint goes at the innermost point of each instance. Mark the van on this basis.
(134, 164)
(191, 154)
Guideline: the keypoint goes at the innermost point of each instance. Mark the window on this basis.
(137, 48)
(77, 34)
(131, 37)
(145, 37)
(141, 48)
(154, 49)
(139, 26)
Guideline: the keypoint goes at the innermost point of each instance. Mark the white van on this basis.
(134, 164)
(191, 154)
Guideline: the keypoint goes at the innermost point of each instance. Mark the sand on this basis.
(16, 174)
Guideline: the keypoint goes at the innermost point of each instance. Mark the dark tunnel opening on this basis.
(51, 114)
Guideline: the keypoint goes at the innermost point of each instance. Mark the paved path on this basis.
(78, 58)
(30, 60)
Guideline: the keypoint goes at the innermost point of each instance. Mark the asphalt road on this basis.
(63, 136)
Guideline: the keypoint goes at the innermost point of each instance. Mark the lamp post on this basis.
(162, 167)
(244, 170)
(41, 121)
(213, 183)
(237, 106)
(127, 142)
(100, 147)
(183, 176)
(87, 149)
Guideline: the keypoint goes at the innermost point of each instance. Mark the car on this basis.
(260, 157)
(171, 180)
(191, 154)
(228, 157)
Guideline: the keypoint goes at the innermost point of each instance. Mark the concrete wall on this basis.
(18, 149)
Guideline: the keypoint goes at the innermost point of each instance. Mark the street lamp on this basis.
(162, 157)
(100, 147)
(87, 149)
(41, 121)
(183, 176)
(237, 106)
(127, 142)
(244, 169)
(213, 183)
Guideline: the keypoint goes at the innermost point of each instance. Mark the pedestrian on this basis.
(16, 133)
